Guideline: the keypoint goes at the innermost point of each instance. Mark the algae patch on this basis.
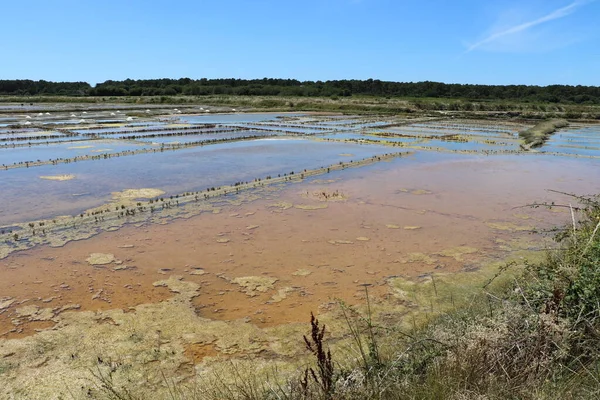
(508, 226)
(100, 258)
(325, 195)
(253, 285)
(34, 313)
(417, 192)
(309, 207)
(281, 295)
(283, 205)
(131, 194)
(185, 290)
(197, 271)
(65, 177)
(5, 303)
(302, 272)
(522, 216)
(420, 192)
(139, 348)
(417, 258)
(340, 242)
(458, 252)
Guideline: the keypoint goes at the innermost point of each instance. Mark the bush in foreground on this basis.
(538, 339)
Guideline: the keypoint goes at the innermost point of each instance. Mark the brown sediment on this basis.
(291, 246)
(39, 273)
(196, 352)
(163, 321)
(281, 251)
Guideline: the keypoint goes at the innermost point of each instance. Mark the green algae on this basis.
(5, 303)
(522, 216)
(34, 313)
(416, 192)
(197, 271)
(254, 285)
(417, 258)
(302, 272)
(524, 243)
(509, 226)
(66, 177)
(132, 194)
(142, 346)
(310, 207)
(340, 242)
(100, 259)
(458, 252)
(281, 295)
(439, 292)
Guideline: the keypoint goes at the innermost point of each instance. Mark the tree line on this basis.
(293, 87)
(26, 87)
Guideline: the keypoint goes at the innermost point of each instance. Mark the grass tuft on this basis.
(537, 136)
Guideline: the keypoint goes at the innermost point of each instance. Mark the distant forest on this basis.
(292, 87)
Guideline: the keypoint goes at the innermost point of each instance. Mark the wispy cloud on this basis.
(554, 15)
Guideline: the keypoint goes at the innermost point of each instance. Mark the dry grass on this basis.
(537, 136)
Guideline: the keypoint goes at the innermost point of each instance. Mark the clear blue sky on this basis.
(537, 42)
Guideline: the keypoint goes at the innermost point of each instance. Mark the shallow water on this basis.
(232, 118)
(33, 134)
(460, 211)
(366, 136)
(584, 141)
(463, 146)
(291, 129)
(190, 169)
(45, 152)
(312, 240)
(206, 137)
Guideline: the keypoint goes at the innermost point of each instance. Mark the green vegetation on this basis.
(537, 136)
(26, 87)
(290, 87)
(358, 104)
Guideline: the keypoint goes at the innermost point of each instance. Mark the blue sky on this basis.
(538, 42)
